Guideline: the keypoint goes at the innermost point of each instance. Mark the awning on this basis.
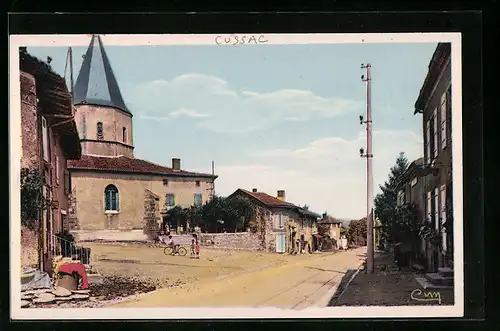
(318, 236)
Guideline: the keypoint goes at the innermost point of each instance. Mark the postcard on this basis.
(236, 176)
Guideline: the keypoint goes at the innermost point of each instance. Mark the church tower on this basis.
(104, 121)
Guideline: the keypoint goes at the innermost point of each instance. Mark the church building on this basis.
(114, 194)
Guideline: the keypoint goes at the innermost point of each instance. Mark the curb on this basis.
(327, 298)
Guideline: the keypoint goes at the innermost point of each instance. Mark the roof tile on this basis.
(126, 164)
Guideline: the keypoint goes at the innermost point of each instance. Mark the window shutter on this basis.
(435, 133)
(443, 214)
(67, 188)
(429, 206)
(428, 143)
(436, 208)
(57, 169)
(443, 120)
(45, 139)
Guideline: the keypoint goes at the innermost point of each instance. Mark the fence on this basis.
(66, 248)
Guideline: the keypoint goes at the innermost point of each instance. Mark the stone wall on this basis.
(109, 235)
(72, 212)
(29, 123)
(239, 241)
(29, 247)
(151, 214)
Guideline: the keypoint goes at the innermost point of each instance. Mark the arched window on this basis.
(111, 201)
(124, 131)
(99, 131)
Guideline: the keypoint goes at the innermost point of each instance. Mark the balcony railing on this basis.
(66, 248)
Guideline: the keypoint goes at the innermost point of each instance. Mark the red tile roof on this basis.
(127, 165)
(268, 200)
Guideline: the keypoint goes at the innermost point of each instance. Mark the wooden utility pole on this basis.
(369, 172)
(71, 72)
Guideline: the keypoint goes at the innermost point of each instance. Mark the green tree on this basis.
(386, 201)
(32, 200)
(356, 233)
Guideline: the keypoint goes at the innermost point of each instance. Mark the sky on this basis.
(272, 117)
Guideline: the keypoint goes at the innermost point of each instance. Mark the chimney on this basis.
(281, 195)
(176, 164)
(254, 190)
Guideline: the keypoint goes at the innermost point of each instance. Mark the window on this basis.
(444, 107)
(280, 221)
(67, 182)
(197, 183)
(414, 181)
(429, 206)
(57, 170)
(111, 198)
(443, 214)
(400, 198)
(436, 138)
(124, 134)
(428, 143)
(436, 208)
(198, 199)
(99, 131)
(170, 200)
(165, 182)
(45, 138)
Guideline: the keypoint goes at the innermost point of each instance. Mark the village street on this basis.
(267, 279)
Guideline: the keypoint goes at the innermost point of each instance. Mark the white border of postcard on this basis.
(233, 312)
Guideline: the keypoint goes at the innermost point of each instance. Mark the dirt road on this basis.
(297, 284)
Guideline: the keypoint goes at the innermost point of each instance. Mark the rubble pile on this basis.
(111, 289)
(115, 287)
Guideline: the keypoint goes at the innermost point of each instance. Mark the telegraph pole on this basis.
(369, 172)
(71, 71)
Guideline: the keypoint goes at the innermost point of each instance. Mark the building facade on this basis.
(412, 190)
(49, 138)
(111, 189)
(283, 226)
(434, 104)
(330, 226)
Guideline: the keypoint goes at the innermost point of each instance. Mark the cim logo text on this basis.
(419, 295)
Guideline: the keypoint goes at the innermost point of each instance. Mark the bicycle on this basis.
(182, 251)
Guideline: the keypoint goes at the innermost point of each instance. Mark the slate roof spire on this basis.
(96, 84)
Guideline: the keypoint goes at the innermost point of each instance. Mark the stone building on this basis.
(434, 103)
(281, 225)
(411, 189)
(49, 138)
(115, 195)
(330, 226)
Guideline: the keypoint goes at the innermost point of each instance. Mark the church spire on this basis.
(96, 84)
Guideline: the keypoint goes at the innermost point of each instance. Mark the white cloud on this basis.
(326, 174)
(187, 113)
(182, 112)
(220, 107)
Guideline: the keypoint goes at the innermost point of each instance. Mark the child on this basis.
(197, 248)
(193, 248)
